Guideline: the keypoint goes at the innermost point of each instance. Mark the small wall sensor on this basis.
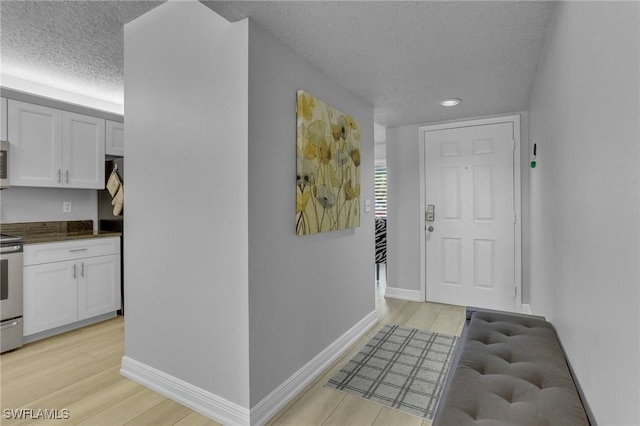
(533, 157)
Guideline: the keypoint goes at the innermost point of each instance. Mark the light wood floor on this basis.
(79, 371)
(319, 405)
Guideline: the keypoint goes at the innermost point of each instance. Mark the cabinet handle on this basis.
(66, 174)
(59, 175)
(11, 324)
(75, 272)
(82, 269)
(76, 250)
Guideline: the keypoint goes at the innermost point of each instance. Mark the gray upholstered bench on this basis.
(509, 369)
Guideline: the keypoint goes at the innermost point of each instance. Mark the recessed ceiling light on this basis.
(450, 102)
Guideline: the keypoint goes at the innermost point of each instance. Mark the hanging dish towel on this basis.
(114, 183)
(118, 201)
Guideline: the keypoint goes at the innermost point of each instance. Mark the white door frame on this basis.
(515, 119)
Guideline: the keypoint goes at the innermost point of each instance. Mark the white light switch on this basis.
(367, 206)
(66, 207)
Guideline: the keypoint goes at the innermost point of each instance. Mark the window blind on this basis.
(380, 188)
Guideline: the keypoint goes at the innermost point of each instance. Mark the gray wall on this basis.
(584, 116)
(225, 295)
(187, 182)
(404, 219)
(21, 204)
(403, 208)
(304, 291)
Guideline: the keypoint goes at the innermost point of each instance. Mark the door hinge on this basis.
(513, 144)
(515, 218)
(515, 291)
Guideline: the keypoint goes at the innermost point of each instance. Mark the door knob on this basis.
(430, 228)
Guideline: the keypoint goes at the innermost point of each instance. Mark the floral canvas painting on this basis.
(328, 168)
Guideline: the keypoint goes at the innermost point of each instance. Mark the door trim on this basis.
(517, 197)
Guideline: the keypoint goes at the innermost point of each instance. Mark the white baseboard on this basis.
(229, 413)
(402, 293)
(200, 400)
(526, 309)
(279, 397)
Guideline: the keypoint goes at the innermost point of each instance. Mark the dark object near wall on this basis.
(381, 244)
(509, 369)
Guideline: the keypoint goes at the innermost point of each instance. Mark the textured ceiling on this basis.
(404, 57)
(401, 57)
(73, 45)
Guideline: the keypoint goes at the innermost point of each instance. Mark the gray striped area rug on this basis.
(401, 368)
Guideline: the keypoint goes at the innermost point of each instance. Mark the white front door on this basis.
(470, 236)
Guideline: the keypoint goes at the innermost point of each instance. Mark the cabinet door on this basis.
(98, 286)
(115, 138)
(83, 151)
(35, 134)
(50, 296)
(3, 119)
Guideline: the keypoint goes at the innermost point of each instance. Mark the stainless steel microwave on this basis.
(4, 164)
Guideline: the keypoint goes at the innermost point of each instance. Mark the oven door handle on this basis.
(12, 324)
(7, 249)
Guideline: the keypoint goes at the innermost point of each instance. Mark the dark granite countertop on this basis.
(48, 232)
(68, 236)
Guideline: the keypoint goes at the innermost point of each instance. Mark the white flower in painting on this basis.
(325, 197)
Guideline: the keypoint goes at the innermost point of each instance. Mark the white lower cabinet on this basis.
(50, 296)
(98, 286)
(77, 282)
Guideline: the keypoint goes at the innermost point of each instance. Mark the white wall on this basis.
(186, 72)
(305, 291)
(584, 116)
(380, 152)
(404, 219)
(19, 204)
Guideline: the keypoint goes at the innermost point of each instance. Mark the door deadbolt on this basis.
(430, 213)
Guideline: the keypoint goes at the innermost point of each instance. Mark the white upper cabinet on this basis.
(3, 116)
(35, 134)
(54, 148)
(115, 138)
(82, 151)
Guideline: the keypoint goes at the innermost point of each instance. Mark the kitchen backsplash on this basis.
(22, 204)
(35, 229)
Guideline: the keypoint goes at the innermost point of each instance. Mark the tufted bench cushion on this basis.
(510, 370)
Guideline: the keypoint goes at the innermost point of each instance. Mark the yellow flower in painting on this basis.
(355, 156)
(351, 192)
(324, 153)
(333, 177)
(301, 201)
(355, 128)
(339, 130)
(305, 106)
(356, 134)
(310, 151)
(342, 122)
(353, 124)
(336, 132)
(315, 132)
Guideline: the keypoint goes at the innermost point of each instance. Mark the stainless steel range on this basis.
(11, 265)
